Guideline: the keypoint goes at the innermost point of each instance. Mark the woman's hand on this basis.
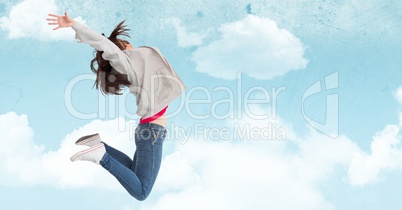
(61, 21)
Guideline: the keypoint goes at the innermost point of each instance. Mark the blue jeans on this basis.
(138, 176)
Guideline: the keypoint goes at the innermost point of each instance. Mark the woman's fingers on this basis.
(52, 21)
(53, 15)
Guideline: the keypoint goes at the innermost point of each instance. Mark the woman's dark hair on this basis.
(109, 80)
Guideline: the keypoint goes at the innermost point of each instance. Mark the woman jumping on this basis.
(154, 83)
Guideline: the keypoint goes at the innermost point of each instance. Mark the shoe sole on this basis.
(86, 139)
(85, 151)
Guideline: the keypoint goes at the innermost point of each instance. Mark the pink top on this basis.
(154, 117)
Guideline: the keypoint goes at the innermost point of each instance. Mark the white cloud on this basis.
(386, 155)
(398, 95)
(27, 19)
(184, 38)
(247, 175)
(22, 162)
(254, 46)
(18, 154)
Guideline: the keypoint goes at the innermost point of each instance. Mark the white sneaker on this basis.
(93, 154)
(89, 140)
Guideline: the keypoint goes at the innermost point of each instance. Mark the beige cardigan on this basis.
(155, 83)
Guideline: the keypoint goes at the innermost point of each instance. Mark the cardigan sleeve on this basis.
(116, 57)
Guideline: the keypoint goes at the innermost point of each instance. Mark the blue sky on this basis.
(353, 47)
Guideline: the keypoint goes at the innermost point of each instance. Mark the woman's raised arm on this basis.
(117, 59)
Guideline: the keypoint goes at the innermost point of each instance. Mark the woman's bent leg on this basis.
(140, 178)
(119, 156)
